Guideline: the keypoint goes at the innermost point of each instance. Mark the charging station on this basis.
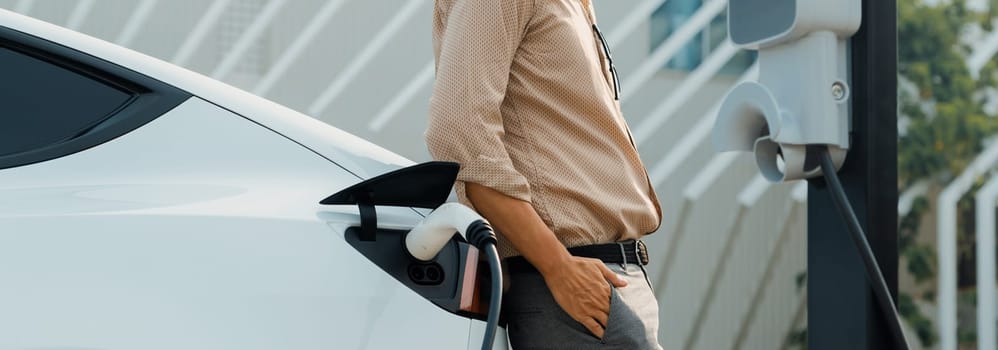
(824, 110)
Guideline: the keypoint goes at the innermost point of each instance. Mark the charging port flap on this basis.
(424, 185)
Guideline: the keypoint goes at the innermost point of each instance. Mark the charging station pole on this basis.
(842, 310)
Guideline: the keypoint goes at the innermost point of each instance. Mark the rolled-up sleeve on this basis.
(475, 43)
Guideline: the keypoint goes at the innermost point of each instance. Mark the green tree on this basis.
(947, 123)
(943, 127)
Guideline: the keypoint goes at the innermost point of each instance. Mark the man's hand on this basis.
(580, 287)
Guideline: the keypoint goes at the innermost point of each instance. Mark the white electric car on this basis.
(143, 206)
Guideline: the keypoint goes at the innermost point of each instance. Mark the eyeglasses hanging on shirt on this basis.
(609, 58)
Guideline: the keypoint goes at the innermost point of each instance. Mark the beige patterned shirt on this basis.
(525, 100)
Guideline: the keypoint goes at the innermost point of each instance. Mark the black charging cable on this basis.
(873, 273)
(481, 235)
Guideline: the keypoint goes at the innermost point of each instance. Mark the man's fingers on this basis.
(612, 277)
(594, 327)
(603, 318)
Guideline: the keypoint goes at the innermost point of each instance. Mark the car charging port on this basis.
(427, 274)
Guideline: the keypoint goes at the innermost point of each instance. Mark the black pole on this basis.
(842, 310)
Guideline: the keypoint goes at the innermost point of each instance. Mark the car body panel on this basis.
(199, 230)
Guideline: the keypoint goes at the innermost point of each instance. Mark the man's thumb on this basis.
(613, 278)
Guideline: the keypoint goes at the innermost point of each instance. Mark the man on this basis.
(526, 100)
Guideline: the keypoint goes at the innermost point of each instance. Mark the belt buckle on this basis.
(642, 258)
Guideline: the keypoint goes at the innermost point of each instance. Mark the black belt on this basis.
(626, 252)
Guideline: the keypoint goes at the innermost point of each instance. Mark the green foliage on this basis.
(909, 224)
(797, 339)
(921, 257)
(921, 260)
(921, 264)
(921, 324)
(929, 296)
(943, 128)
(967, 317)
(946, 115)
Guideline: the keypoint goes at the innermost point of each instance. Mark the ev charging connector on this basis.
(802, 95)
(425, 240)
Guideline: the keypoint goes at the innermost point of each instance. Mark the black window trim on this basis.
(151, 98)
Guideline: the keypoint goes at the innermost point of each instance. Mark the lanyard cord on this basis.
(609, 58)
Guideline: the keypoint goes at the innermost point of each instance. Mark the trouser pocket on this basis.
(536, 321)
(624, 328)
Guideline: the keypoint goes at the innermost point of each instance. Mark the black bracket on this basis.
(368, 217)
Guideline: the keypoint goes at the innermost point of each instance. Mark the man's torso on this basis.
(564, 130)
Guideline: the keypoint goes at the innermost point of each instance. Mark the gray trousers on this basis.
(535, 321)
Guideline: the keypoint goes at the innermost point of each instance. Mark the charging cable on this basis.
(873, 273)
(481, 235)
(430, 236)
